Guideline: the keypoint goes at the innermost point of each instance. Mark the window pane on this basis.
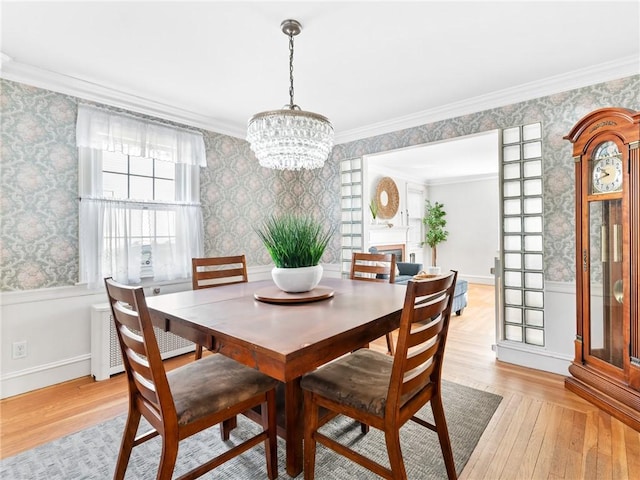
(511, 135)
(533, 187)
(533, 243)
(512, 224)
(534, 299)
(141, 166)
(141, 188)
(513, 261)
(512, 153)
(532, 261)
(165, 190)
(512, 207)
(114, 162)
(533, 169)
(532, 131)
(511, 170)
(533, 150)
(513, 333)
(512, 279)
(512, 297)
(114, 185)
(535, 336)
(534, 317)
(533, 205)
(533, 280)
(512, 242)
(165, 169)
(511, 189)
(513, 315)
(533, 224)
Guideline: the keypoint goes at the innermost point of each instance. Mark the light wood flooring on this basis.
(540, 430)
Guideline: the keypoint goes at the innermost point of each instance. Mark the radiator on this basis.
(106, 357)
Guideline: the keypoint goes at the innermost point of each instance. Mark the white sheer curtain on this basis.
(101, 129)
(113, 232)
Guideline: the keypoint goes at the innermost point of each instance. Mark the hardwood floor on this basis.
(540, 429)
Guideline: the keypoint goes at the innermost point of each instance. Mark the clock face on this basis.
(606, 173)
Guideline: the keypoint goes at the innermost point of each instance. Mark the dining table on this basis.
(283, 335)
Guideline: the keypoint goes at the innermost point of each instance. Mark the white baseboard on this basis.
(480, 279)
(29, 379)
(530, 357)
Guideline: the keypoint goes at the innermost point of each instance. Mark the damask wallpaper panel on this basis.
(39, 185)
(38, 180)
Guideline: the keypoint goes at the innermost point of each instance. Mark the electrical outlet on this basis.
(19, 349)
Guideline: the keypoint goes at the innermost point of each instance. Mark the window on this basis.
(522, 242)
(351, 210)
(140, 216)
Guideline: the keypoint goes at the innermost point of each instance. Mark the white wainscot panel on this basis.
(560, 324)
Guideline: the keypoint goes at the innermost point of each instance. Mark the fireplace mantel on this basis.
(385, 235)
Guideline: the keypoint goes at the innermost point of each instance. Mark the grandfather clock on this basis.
(606, 368)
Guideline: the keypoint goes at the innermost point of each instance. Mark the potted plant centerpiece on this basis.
(435, 233)
(295, 244)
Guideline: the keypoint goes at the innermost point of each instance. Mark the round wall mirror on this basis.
(387, 198)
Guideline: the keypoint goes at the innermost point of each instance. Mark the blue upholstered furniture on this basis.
(406, 271)
(459, 297)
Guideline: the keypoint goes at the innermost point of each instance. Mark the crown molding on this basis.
(620, 68)
(23, 73)
(48, 80)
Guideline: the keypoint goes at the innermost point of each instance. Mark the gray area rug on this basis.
(92, 453)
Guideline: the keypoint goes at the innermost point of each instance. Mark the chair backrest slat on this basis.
(215, 271)
(420, 356)
(412, 383)
(430, 309)
(417, 365)
(423, 335)
(372, 266)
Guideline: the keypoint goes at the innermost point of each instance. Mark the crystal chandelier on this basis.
(290, 139)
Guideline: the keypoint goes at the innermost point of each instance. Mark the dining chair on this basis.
(185, 400)
(375, 267)
(214, 272)
(386, 392)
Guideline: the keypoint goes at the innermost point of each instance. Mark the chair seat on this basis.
(227, 383)
(359, 380)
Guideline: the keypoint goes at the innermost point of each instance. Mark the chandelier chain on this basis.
(291, 104)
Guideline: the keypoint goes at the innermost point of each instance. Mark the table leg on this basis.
(294, 419)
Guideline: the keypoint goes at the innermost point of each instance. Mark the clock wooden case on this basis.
(606, 368)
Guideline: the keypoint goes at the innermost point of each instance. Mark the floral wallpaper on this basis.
(39, 178)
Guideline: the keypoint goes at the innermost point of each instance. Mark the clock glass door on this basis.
(605, 276)
(606, 331)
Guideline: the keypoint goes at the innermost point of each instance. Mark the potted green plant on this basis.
(296, 245)
(435, 233)
(373, 208)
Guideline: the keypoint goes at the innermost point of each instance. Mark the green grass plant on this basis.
(294, 241)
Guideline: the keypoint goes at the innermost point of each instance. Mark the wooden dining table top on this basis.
(282, 340)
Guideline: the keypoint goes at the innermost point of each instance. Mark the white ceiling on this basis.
(370, 66)
(464, 158)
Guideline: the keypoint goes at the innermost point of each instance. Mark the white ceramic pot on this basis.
(295, 280)
(433, 270)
